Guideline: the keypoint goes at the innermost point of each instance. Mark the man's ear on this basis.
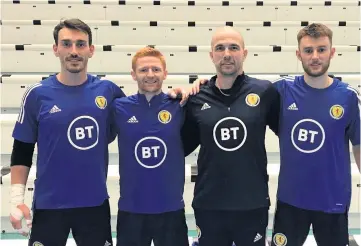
(55, 50)
(298, 54)
(92, 49)
(133, 75)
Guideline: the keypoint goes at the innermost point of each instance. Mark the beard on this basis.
(228, 72)
(308, 69)
(75, 67)
(74, 70)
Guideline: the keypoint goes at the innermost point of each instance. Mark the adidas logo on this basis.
(132, 120)
(293, 106)
(257, 237)
(54, 109)
(205, 106)
(107, 243)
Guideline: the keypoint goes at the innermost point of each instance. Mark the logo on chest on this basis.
(101, 102)
(83, 132)
(150, 152)
(336, 112)
(164, 116)
(252, 100)
(230, 133)
(308, 136)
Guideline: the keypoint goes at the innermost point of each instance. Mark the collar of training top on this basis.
(156, 99)
(233, 91)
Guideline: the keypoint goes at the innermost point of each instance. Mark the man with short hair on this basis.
(230, 115)
(66, 115)
(152, 148)
(320, 115)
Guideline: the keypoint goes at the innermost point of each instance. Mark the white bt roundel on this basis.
(150, 152)
(308, 136)
(230, 133)
(83, 132)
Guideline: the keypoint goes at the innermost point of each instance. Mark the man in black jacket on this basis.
(228, 118)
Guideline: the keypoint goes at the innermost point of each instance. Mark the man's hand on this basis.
(16, 217)
(194, 89)
(196, 85)
(18, 210)
(177, 92)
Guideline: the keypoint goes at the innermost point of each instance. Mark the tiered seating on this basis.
(181, 30)
(185, 32)
(180, 59)
(179, 10)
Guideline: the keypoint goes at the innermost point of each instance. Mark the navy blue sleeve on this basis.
(117, 92)
(189, 132)
(273, 99)
(111, 131)
(353, 129)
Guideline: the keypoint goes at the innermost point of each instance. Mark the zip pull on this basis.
(229, 109)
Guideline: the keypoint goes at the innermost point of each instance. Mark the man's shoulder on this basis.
(258, 85)
(344, 87)
(41, 87)
(204, 90)
(126, 99)
(98, 80)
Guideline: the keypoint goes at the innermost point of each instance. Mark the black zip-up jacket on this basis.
(232, 161)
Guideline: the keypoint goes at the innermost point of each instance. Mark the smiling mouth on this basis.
(73, 60)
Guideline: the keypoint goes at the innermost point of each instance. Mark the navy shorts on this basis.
(222, 228)
(165, 229)
(90, 226)
(292, 226)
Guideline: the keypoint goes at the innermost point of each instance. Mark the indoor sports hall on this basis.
(182, 31)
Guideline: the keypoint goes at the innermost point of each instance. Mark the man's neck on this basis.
(150, 95)
(72, 79)
(320, 82)
(225, 82)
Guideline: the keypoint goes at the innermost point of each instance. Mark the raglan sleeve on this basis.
(26, 125)
(117, 92)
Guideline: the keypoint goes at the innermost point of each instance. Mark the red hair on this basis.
(148, 51)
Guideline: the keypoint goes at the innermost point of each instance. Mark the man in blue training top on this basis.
(151, 159)
(319, 116)
(66, 115)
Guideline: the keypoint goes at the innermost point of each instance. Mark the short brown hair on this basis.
(74, 24)
(315, 30)
(148, 51)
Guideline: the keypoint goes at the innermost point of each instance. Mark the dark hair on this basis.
(315, 30)
(74, 24)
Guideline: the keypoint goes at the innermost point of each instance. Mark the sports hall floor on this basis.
(10, 238)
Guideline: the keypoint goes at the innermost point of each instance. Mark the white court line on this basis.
(357, 239)
(310, 241)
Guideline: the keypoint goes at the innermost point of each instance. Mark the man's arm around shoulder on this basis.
(189, 132)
